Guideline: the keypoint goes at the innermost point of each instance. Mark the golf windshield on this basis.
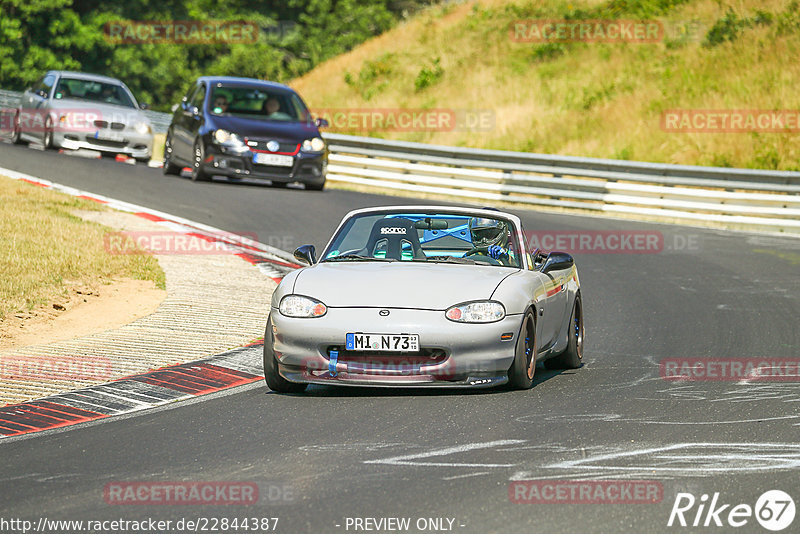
(426, 237)
(257, 104)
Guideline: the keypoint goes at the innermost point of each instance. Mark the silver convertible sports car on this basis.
(424, 296)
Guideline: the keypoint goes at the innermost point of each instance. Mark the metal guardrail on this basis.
(753, 198)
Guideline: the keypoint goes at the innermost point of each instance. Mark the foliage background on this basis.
(37, 35)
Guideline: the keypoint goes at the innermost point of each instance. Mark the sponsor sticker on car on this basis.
(383, 342)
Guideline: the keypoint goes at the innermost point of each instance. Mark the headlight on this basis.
(314, 145)
(142, 128)
(300, 306)
(224, 136)
(486, 311)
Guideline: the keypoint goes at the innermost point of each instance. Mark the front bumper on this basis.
(134, 144)
(308, 168)
(452, 354)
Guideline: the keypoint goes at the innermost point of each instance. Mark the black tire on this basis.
(47, 140)
(274, 380)
(15, 132)
(572, 357)
(198, 174)
(520, 374)
(169, 167)
(316, 187)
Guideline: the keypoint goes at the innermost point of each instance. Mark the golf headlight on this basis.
(314, 145)
(300, 306)
(486, 311)
(225, 137)
(142, 127)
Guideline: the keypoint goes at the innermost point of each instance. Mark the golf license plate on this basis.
(383, 342)
(277, 160)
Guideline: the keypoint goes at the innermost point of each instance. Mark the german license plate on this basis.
(382, 342)
(277, 160)
(108, 136)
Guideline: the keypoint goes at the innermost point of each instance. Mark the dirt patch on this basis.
(82, 311)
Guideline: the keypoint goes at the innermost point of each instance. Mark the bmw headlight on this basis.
(142, 127)
(486, 311)
(224, 137)
(300, 306)
(313, 145)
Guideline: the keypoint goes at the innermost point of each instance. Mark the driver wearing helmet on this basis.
(490, 238)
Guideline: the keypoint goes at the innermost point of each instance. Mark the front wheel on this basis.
(47, 141)
(169, 167)
(16, 132)
(573, 356)
(272, 377)
(520, 374)
(198, 174)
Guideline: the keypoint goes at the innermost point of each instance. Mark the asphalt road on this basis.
(332, 455)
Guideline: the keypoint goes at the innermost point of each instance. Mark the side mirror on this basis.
(41, 93)
(144, 105)
(321, 123)
(306, 254)
(557, 261)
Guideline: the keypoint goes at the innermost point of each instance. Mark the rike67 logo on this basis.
(774, 510)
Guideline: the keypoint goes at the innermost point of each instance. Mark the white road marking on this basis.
(409, 459)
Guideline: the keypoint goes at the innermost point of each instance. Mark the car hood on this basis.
(432, 286)
(259, 128)
(106, 112)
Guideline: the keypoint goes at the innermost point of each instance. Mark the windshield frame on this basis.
(511, 220)
(287, 93)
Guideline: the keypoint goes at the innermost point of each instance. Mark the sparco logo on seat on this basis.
(393, 230)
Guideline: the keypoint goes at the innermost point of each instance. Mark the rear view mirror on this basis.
(430, 224)
(557, 261)
(306, 254)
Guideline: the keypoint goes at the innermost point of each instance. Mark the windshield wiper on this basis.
(356, 257)
(450, 259)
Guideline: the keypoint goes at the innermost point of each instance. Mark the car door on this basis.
(189, 118)
(178, 126)
(552, 301)
(34, 107)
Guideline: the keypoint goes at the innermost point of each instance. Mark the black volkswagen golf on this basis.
(242, 127)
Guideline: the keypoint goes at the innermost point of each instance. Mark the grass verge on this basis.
(45, 249)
